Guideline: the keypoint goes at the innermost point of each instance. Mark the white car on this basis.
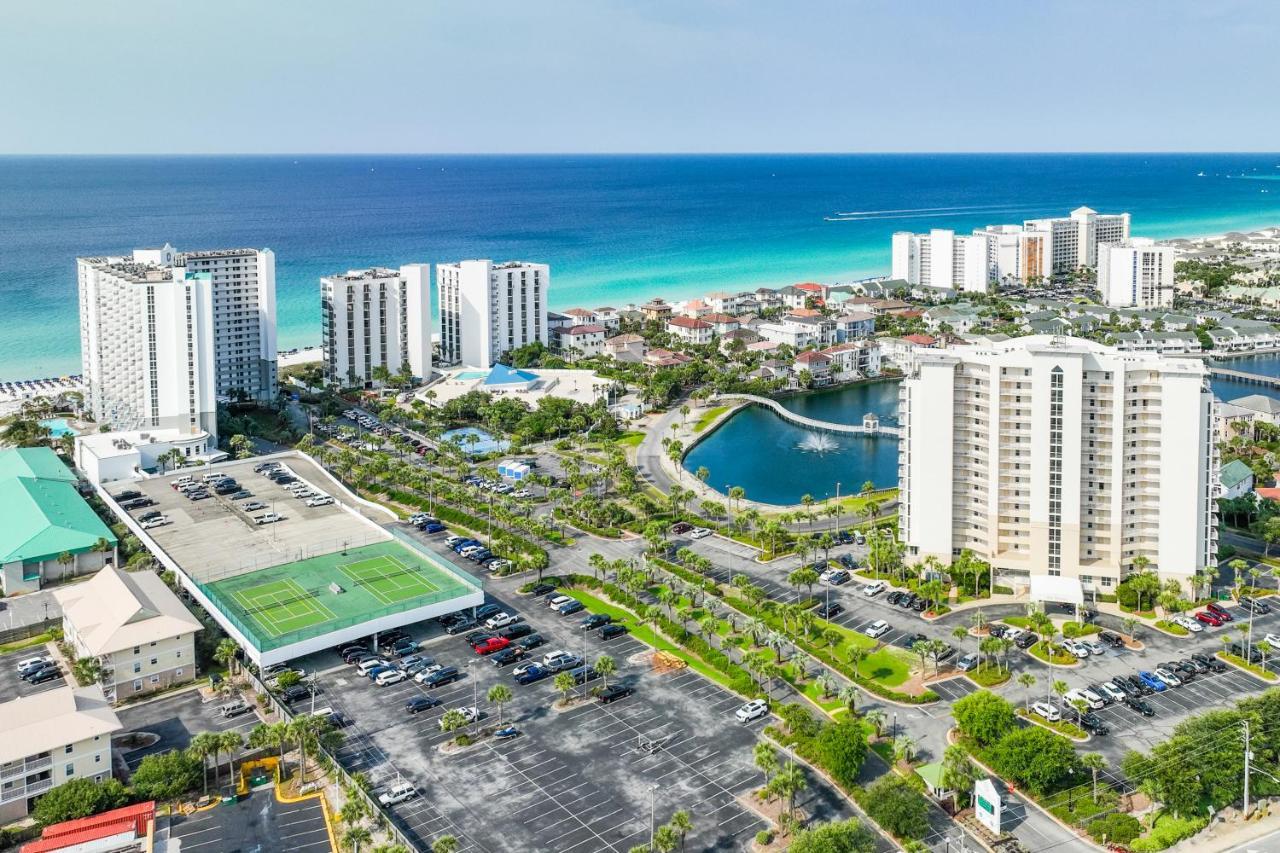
(1012, 633)
(699, 533)
(1167, 677)
(558, 660)
(1089, 698)
(398, 794)
(1273, 640)
(1190, 624)
(1076, 648)
(322, 500)
(876, 629)
(269, 518)
(1114, 692)
(160, 521)
(426, 672)
(524, 667)
(1095, 648)
(471, 715)
(1044, 709)
(391, 676)
(558, 603)
(371, 663)
(874, 588)
(753, 710)
(500, 620)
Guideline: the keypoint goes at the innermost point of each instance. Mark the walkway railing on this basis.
(782, 411)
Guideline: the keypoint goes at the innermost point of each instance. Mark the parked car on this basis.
(609, 632)
(595, 620)
(1076, 648)
(1044, 709)
(571, 607)
(1255, 656)
(559, 659)
(322, 500)
(399, 793)
(1115, 691)
(558, 601)
(529, 673)
(395, 676)
(542, 589)
(1112, 639)
(836, 577)
(371, 663)
(433, 527)
(1088, 697)
(1190, 624)
(466, 623)
(1142, 706)
(296, 693)
(491, 645)
(500, 620)
(1026, 640)
(442, 676)
(1138, 686)
(700, 533)
(830, 610)
(515, 632)
(1212, 663)
(531, 642)
(418, 704)
(753, 710)
(1221, 612)
(896, 596)
(614, 692)
(1209, 618)
(1095, 648)
(506, 656)
(470, 714)
(876, 629)
(874, 588)
(967, 662)
(1152, 681)
(1255, 605)
(681, 527)
(1104, 696)
(32, 664)
(269, 518)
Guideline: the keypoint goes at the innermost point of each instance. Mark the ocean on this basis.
(615, 229)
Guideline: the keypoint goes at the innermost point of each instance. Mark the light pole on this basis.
(652, 788)
(895, 726)
(837, 510)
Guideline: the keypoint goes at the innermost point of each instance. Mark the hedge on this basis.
(740, 680)
(538, 557)
(706, 584)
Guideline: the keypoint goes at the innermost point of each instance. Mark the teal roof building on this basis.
(44, 517)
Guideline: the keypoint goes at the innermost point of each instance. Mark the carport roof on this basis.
(1056, 588)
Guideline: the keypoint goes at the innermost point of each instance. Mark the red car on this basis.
(1221, 612)
(1209, 618)
(492, 645)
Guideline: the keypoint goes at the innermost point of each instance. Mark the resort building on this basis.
(628, 347)
(584, 341)
(1074, 239)
(165, 334)
(689, 330)
(51, 738)
(128, 454)
(488, 309)
(941, 259)
(1136, 274)
(135, 627)
(376, 318)
(1058, 457)
(1016, 254)
(47, 531)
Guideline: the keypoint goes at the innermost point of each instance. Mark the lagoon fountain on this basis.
(818, 442)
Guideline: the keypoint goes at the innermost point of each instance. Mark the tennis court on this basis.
(295, 601)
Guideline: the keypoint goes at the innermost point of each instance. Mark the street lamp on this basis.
(652, 788)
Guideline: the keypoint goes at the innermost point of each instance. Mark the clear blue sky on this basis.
(647, 75)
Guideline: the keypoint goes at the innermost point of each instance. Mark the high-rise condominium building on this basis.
(164, 333)
(1136, 273)
(1027, 252)
(1061, 457)
(489, 309)
(376, 318)
(1074, 239)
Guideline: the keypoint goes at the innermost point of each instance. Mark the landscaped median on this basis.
(1061, 657)
(1062, 727)
(1251, 668)
(1171, 628)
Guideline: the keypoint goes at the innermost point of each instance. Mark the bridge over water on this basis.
(1241, 376)
(870, 426)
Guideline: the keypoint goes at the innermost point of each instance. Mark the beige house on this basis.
(135, 626)
(51, 738)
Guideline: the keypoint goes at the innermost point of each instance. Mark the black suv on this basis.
(531, 642)
(595, 620)
(1112, 639)
(296, 693)
(1212, 663)
(457, 627)
(440, 677)
(542, 589)
(1026, 641)
(1137, 686)
(1250, 603)
(1255, 656)
(829, 611)
(614, 692)
(1140, 705)
(515, 632)
(418, 704)
(997, 629)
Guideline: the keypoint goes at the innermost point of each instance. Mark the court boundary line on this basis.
(420, 579)
(292, 589)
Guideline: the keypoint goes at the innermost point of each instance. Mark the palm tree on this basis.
(776, 641)
(564, 683)
(766, 760)
(790, 781)
(231, 742)
(1130, 625)
(849, 696)
(499, 694)
(666, 839)
(355, 837)
(605, 666)
(201, 747)
(682, 823)
(445, 844)
(876, 718)
(1059, 687)
(305, 731)
(957, 771)
(225, 654)
(904, 748)
(1027, 680)
(1094, 762)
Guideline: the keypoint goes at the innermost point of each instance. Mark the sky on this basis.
(543, 76)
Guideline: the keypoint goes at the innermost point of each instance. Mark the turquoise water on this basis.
(472, 374)
(778, 462)
(58, 427)
(615, 229)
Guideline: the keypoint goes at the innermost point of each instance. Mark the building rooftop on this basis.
(53, 719)
(501, 374)
(585, 329)
(688, 323)
(116, 610)
(1258, 403)
(1234, 473)
(43, 516)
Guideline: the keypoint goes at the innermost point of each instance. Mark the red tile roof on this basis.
(588, 329)
(921, 340)
(719, 318)
(812, 356)
(580, 312)
(1269, 494)
(810, 286)
(688, 323)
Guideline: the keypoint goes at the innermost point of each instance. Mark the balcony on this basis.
(22, 768)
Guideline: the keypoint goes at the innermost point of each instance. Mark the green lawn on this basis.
(1062, 727)
(1060, 657)
(1017, 621)
(647, 634)
(1176, 630)
(1252, 668)
(886, 667)
(988, 675)
(630, 439)
(708, 416)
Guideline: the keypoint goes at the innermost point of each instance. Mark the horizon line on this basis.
(920, 153)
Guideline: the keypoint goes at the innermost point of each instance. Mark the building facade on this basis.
(1074, 239)
(164, 335)
(51, 738)
(135, 627)
(376, 318)
(488, 309)
(1136, 273)
(1058, 457)
(941, 259)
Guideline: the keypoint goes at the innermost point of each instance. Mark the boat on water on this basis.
(1200, 174)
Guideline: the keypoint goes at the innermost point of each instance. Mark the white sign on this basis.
(987, 805)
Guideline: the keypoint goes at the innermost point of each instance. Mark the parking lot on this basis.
(577, 780)
(12, 686)
(178, 718)
(215, 537)
(257, 822)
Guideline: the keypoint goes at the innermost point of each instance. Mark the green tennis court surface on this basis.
(295, 601)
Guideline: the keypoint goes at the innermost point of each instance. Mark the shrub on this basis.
(1168, 831)
(1117, 828)
(846, 836)
(984, 716)
(841, 748)
(1033, 757)
(78, 798)
(764, 837)
(892, 803)
(167, 775)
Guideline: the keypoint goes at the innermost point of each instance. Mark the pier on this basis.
(870, 423)
(1241, 376)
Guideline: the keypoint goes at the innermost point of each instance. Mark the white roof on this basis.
(117, 610)
(52, 719)
(1051, 588)
(106, 445)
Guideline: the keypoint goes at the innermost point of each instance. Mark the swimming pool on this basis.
(58, 427)
(476, 442)
(468, 375)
